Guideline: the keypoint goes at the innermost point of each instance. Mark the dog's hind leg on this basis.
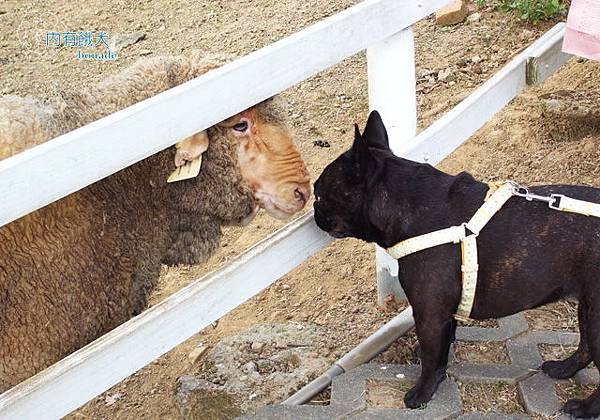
(590, 407)
(563, 369)
(434, 336)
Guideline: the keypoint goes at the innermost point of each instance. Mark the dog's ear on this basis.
(360, 154)
(359, 147)
(375, 134)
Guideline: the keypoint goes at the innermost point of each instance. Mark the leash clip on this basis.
(523, 192)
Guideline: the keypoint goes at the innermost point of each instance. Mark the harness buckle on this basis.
(555, 203)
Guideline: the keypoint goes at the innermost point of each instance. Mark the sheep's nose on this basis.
(302, 194)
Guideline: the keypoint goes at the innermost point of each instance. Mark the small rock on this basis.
(475, 17)
(589, 147)
(111, 399)
(257, 347)
(197, 353)
(198, 399)
(477, 69)
(446, 75)
(321, 143)
(121, 41)
(281, 345)
(476, 59)
(424, 73)
(285, 287)
(249, 367)
(145, 52)
(452, 14)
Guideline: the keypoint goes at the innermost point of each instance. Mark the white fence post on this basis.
(392, 92)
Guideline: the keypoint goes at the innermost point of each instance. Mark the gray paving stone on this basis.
(588, 376)
(288, 412)
(538, 396)
(536, 390)
(488, 373)
(524, 352)
(350, 390)
(556, 337)
(493, 416)
(508, 327)
(394, 414)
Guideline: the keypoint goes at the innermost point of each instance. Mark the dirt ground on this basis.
(336, 287)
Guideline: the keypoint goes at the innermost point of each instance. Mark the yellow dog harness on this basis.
(466, 234)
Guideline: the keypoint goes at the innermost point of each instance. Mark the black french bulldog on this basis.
(529, 255)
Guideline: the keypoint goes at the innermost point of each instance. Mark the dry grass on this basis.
(498, 398)
(555, 351)
(558, 316)
(322, 398)
(401, 352)
(483, 323)
(481, 352)
(387, 393)
(570, 390)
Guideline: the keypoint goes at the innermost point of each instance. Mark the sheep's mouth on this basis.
(277, 209)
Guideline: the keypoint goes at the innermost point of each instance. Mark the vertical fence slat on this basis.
(392, 92)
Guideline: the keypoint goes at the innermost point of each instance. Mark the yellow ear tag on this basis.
(187, 171)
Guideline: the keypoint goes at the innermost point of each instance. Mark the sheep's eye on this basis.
(241, 126)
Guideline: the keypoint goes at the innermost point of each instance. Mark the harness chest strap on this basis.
(455, 234)
(498, 195)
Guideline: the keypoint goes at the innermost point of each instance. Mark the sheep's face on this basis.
(270, 163)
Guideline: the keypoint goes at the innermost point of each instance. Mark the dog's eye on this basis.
(241, 126)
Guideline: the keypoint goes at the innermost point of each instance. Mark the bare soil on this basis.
(336, 287)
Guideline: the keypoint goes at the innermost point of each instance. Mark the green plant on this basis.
(530, 10)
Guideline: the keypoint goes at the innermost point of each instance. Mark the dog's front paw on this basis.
(416, 397)
(558, 369)
(581, 409)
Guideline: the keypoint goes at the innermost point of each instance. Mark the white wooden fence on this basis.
(79, 158)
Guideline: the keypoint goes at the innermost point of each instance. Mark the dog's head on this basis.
(343, 205)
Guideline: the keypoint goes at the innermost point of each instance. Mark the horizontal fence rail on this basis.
(72, 161)
(442, 137)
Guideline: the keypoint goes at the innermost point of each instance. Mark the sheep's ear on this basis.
(375, 134)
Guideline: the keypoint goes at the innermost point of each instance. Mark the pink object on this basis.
(582, 35)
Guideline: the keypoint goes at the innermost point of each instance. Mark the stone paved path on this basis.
(536, 390)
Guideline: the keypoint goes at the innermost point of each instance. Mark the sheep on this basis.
(79, 267)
